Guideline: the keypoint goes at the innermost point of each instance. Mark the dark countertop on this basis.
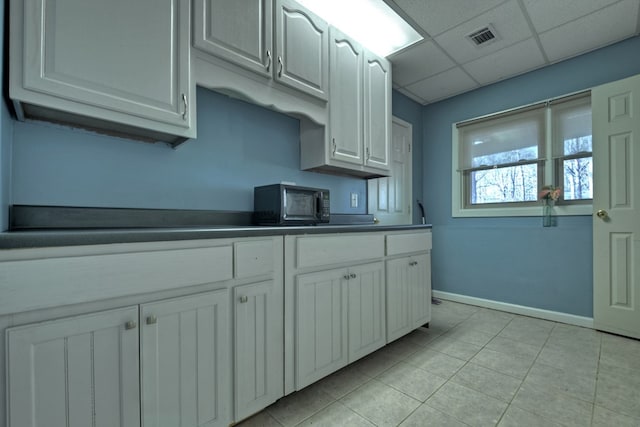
(50, 238)
(49, 226)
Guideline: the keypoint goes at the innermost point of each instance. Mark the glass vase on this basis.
(547, 213)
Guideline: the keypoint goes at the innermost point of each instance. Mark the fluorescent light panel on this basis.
(371, 22)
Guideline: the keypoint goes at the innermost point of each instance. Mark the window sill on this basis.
(558, 210)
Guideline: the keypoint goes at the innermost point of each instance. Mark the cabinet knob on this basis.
(130, 325)
(346, 277)
(244, 298)
(352, 275)
(152, 320)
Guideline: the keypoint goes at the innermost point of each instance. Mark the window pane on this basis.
(571, 127)
(504, 185)
(505, 139)
(578, 178)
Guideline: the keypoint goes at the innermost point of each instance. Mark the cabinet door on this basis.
(96, 58)
(239, 31)
(321, 325)
(258, 348)
(185, 361)
(420, 282)
(80, 371)
(366, 310)
(377, 111)
(399, 319)
(302, 49)
(345, 109)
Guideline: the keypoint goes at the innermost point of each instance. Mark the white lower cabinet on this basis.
(408, 294)
(184, 361)
(79, 371)
(366, 309)
(258, 347)
(320, 325)
(103, 369)
(339, 319)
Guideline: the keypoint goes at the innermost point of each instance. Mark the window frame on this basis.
(547, 174)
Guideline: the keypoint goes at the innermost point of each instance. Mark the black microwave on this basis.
(287, 204)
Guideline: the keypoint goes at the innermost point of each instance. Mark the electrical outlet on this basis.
(354, 200)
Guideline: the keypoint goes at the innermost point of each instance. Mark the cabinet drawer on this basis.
(253, 258)
(407, 243)
(326, 250)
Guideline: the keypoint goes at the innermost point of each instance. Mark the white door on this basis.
(389, 198)
(239, 31)
(258, 348)
(346, 92)
(185, 365)
(366, 310)
(321, 325)
(377, 111)
(616, 204)
(79, 371)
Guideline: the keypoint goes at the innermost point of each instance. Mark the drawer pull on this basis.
(130, 325)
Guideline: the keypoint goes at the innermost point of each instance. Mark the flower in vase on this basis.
(549, 192)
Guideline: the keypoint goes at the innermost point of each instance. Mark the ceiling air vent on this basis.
(483, 36)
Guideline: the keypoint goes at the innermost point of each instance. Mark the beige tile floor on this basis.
(477, 367)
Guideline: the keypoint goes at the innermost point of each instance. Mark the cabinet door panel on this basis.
(321, 325)
(185, 361)
(302, 42)
(345, 82)
(399, 320)
(258, 348)
(98, 53)
(75, 372)
(377, 111)
(420, 290)
(239, 31)
(366, 310)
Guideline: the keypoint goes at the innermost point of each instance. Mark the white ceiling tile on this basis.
(518, 58)
(437, 16)
(419, 62)
(508, 21)
(547, 14)
(592, 31)
(442, 85)
(412, 96)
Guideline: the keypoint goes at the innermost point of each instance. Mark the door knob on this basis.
(602, 214)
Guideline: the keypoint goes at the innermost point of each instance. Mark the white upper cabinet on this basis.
(345, 112)
(302, 49)
(357, 139)
(239, 31)
(377, 111)
(116, 66)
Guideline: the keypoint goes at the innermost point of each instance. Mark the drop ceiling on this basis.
(529, 34)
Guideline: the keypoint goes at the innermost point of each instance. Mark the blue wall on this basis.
(410, 111)
(515, 260)
(239, 146)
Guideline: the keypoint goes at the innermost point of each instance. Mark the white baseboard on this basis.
(556, 316)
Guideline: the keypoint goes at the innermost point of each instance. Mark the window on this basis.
(501, 161)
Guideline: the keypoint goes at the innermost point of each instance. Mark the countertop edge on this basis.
(59, 238)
